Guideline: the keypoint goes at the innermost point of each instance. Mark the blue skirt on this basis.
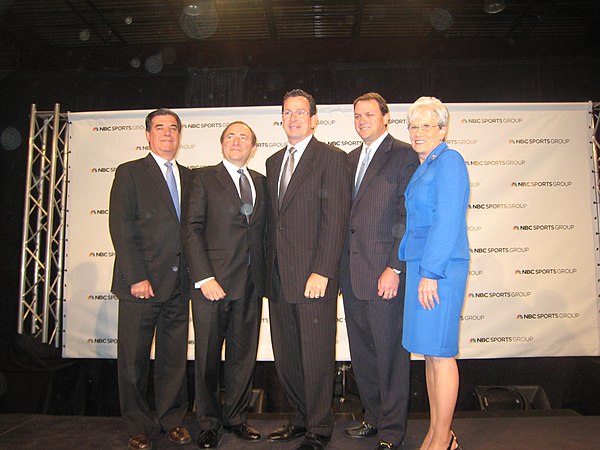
(434, 332)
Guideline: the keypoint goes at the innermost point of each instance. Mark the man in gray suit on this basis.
(309, 196)
(150, 280)
(224, 223)
(372, 278)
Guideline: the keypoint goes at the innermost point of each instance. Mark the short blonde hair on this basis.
(427, 107)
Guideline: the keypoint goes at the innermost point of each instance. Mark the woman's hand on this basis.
(428, 294)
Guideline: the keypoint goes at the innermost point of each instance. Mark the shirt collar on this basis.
(233, 169)
(375, 145)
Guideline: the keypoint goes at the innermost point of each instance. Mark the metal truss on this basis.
(42, 257)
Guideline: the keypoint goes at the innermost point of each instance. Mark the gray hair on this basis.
(425, 107)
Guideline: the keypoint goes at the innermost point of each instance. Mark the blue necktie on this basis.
(172, 187)
(363, 169)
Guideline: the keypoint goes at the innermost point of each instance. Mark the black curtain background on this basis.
(37, 380)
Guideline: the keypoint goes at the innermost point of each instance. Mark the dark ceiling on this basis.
(91, 34)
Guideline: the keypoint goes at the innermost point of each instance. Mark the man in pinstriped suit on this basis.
(372, 278)
(309, 193)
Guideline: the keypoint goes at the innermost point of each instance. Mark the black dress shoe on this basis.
(208, 439)
(385, 445)
(244, 432)
(286, 433)
(313, 441)
(361, 431)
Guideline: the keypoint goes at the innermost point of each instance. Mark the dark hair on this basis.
(300, 93)
(241, 123)
(161, 112)
(383, 107)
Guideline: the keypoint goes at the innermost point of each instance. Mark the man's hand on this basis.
(315, 286)
(212, 290)
(387, 284)
(142, 290)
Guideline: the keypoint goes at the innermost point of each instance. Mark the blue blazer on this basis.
(437, 198)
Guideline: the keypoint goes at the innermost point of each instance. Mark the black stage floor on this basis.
(559, 429)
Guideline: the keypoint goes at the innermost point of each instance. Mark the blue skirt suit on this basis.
(435, 246)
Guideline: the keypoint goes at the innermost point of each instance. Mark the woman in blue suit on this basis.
(436, 250)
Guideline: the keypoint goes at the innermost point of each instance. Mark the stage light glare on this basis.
(192, 8)
(493, 6)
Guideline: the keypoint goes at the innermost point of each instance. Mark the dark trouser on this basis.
(381, 365)
(303, 338)
(237, 322)
(138, 322)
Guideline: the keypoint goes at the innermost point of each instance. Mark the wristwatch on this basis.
(396, 271)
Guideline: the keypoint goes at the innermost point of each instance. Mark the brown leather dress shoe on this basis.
(139, 442)
(179, 435)
(244, 432)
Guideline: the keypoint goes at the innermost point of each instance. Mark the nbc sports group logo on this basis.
(496, 163)
(340, 144)
(548, 316)
(277, 145)
(544, 227)
(497, 206)
(102, 297)
(539, 141)
(113, 128)
(507, 295)
(98, 340)
(461, 141)
(543, 271)
(541, 184)
(471, 317)
(496, 250)
(491, 120)
(110, 254)
(103, 169)
(501, 340)
(202, 125)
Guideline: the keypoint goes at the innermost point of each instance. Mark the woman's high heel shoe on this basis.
(452, 441)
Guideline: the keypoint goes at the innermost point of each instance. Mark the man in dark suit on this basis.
(223, 230)
(372, 278)
(150, 280)
(309, 194)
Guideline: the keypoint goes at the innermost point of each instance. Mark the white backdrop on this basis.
(533, 288)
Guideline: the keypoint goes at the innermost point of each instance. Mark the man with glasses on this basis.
(309, 194)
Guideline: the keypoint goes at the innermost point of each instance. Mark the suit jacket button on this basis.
(178, 253)
(175, 268)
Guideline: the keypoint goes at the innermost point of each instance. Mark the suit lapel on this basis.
(259, 201)
(302, 170)
(158, 180)
(380, 157)
(273, 181)
(228, 184)
(425, 164)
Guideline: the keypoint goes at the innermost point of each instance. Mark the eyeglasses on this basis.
(424, 128)
(298, 112)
